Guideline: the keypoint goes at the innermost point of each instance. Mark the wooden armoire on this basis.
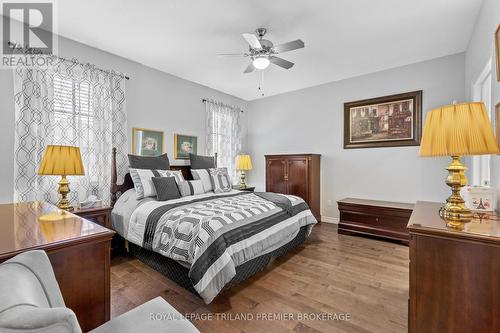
(296, 174)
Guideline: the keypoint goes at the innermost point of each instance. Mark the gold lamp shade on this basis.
(456, 130)
(243, 163)
(62, 161)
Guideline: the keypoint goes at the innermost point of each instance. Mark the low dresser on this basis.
(78, 249)
(454, 275)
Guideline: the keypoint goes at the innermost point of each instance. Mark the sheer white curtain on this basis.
(223, 134)
(68, 103)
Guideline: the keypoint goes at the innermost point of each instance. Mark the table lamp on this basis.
(243, 163)
(62, 161)
(457, 130)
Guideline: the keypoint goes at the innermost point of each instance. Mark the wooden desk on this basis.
(454, 275)
(79, 251)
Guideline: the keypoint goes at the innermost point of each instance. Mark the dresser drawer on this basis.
(385, 222)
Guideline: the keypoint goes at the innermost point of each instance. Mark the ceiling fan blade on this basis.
(252, 40)
(281, 62)
(233, 54)
(293, 45)
(249, 69)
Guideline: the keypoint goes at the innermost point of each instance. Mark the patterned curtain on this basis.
(223, 134)
(68, 103)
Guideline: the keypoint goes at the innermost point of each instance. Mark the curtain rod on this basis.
(204, 100)
(74, 60)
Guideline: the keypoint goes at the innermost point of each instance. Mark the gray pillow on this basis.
(166, 188)
(201, 162)
(149, 162)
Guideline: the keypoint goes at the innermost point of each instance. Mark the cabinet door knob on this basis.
(376, 219)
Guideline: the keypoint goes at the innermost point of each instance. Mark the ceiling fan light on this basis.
(261, 62)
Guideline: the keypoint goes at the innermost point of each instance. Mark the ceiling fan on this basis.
(263, 52)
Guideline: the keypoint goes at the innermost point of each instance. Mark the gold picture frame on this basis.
(387, 121)
(147, 142)
(497, 123)
(497, 51)
(183, 145)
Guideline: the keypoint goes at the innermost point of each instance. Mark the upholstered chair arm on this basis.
(26, 318)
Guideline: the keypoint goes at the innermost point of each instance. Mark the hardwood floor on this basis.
(329, 273)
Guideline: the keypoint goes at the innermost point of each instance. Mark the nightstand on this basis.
(99, 215)
(248, 188)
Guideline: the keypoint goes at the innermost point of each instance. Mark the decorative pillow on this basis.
(177, 174)
(204, 176)
(201, 162)
(221, 181)
(166, 188)
(191, 187)
(143, 183)
(149, 162)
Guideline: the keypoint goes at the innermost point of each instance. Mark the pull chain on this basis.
(261, 84)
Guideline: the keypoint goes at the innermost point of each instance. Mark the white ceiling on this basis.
(344, 38)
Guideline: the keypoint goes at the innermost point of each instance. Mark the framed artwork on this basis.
(146, 142)
(497, 123)
(183, 145)
(388, 121)
(497, 51)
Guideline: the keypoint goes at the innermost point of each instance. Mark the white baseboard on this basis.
(329, 219)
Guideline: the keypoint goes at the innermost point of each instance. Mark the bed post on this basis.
(114, 186)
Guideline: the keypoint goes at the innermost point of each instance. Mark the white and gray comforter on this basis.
(214, 234)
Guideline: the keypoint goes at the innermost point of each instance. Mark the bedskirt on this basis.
(179, 274)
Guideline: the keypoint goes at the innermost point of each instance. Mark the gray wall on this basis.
(479, 51)
(311, 121)
(155, 100)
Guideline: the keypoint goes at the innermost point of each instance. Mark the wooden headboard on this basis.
(118, 189)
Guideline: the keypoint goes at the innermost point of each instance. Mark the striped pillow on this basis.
(191, 187)
(204, 176)
(143, 182)
(221, 181)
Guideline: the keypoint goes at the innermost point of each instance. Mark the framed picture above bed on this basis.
(184, 145)
(388, 121)
(146, 142)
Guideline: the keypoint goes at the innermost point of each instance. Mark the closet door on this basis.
(298, 177)
(276, 175)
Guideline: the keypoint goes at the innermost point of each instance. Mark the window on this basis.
(72, 106)
(482, 93)
(74, 120)
(68, 103)
(223, 135)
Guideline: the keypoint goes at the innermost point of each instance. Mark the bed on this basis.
(208, 242)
